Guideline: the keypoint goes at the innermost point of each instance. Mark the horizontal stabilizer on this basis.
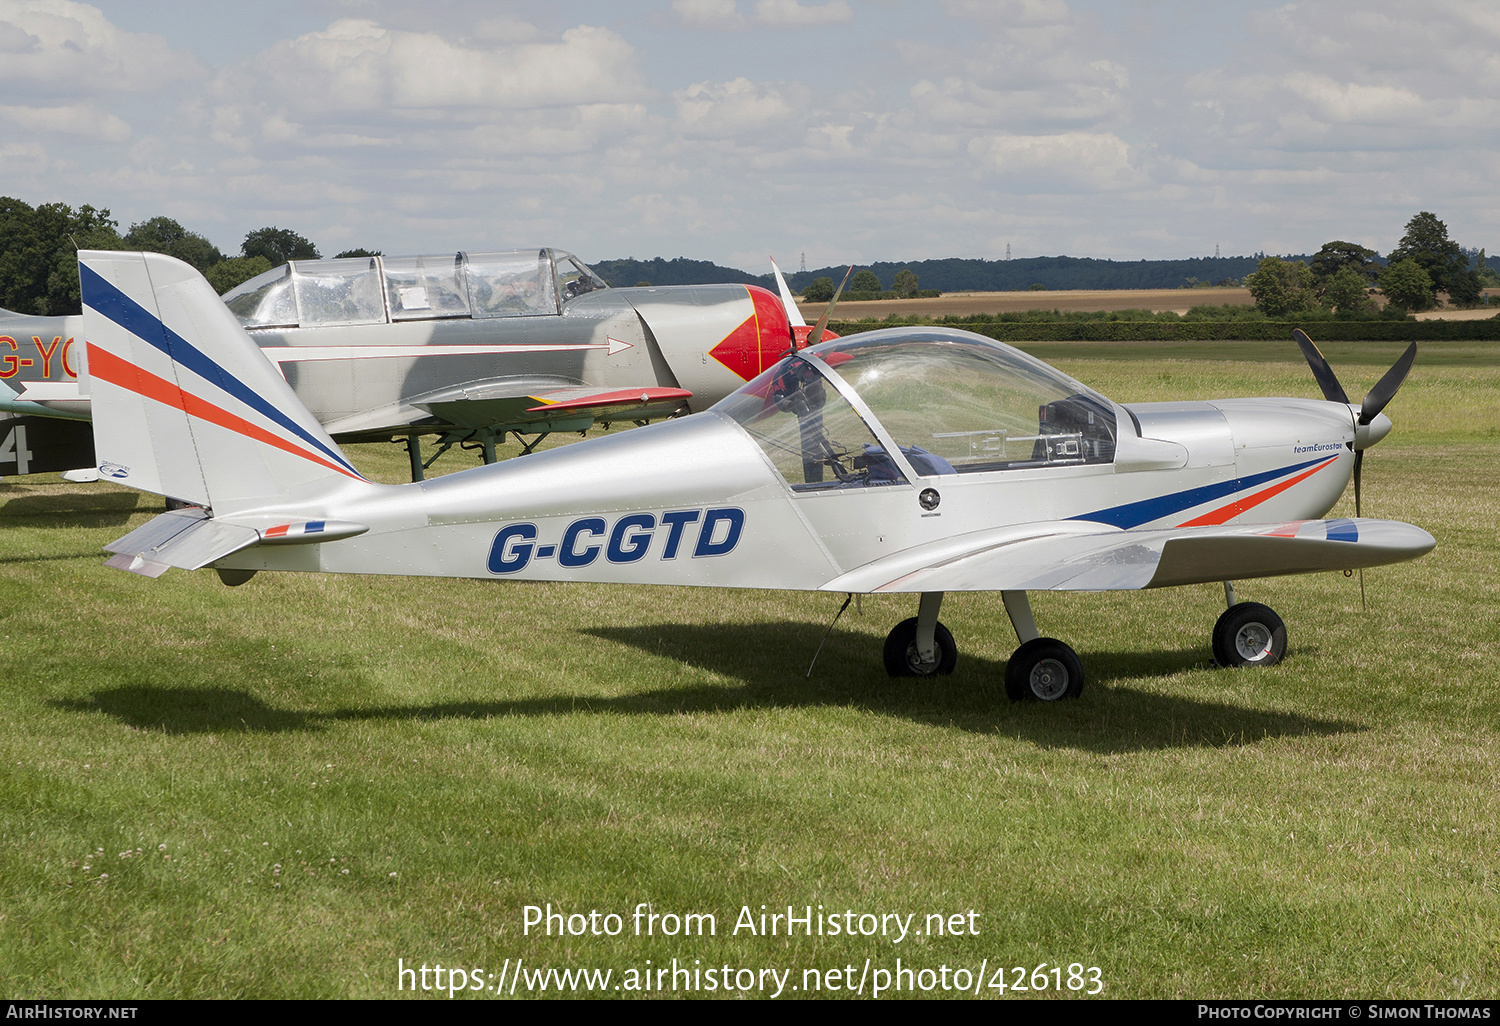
(184, 538)
(1058, 557)
(190, 539)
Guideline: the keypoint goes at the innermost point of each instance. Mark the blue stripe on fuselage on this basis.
(1134, 514)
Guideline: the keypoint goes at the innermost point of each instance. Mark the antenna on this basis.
(1007, 251)
(1216, 251)
(804, 261)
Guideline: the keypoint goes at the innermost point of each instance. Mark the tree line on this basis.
(39, 269)
(1425, 264)
(39, 247)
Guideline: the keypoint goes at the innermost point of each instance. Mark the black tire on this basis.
(1044, 670)
(1249, 634)
(901, 651)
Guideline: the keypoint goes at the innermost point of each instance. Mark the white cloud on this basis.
(707, 13)
(500, 30)
(770, 13)
(83, 120)
(964, 102)
(796, 15)
(1063, 162)
(356, 65)
(1010, 12)
(59, 47)
(1350, 101)
(725, 109)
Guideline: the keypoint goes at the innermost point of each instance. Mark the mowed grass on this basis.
(294, 783)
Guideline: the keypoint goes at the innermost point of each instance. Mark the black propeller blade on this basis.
(1375, 401)
(1385, 389)
(1359, 462)
(1327, 380)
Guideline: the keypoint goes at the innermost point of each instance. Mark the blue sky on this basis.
(851, 130)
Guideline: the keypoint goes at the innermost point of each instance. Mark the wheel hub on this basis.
(1049, 680)
(914, 660)
(1253, 642)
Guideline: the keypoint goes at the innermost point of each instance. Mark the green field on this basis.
(281, 789)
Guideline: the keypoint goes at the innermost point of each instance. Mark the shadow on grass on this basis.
(64, 509)
(186, 710)
(93, 553)
(1109, 718)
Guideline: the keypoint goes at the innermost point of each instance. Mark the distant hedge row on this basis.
(860, 296)
(1211, 331)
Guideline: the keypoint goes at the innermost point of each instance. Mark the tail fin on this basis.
(184, 404)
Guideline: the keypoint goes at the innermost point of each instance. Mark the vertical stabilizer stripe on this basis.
(140, 322)
(108, 367)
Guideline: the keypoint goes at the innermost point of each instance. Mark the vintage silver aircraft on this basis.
(909, 460)
(467, 346)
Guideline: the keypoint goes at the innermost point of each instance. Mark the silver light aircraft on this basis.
(908, 460)
(467, 346)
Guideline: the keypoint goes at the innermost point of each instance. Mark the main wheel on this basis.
(1044, 669)
(901, 659)
(1249, 634)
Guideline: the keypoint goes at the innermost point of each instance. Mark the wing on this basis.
(1072, 556)
(512, 403)
(515, 404)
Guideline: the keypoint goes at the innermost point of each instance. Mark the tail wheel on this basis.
(902, 660)
(1043, 669)
(1249, 634)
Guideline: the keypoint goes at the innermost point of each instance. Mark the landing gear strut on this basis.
(1043, 669)
(920, 646)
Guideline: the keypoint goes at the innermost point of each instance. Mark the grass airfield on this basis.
(281, 789)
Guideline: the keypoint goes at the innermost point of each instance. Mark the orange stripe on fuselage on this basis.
(1226, 513)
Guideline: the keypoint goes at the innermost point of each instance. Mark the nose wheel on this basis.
(1249, 634)
(904, 659)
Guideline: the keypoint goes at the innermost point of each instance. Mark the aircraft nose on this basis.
(1366, 435)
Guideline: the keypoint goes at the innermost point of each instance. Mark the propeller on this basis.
(1375, 400)
(793, 315)
(802, 335)
(1366, 431)
(816, 335)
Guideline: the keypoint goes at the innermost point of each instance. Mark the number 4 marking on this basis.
(14, 450)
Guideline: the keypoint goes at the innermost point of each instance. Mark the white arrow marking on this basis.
(299, 354)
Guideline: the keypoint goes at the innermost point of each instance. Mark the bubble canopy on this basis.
(952, 401)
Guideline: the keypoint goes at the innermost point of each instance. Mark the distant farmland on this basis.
(960, 304)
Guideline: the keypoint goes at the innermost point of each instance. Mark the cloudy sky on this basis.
(851, 130)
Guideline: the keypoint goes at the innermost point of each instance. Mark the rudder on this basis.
(184, 403)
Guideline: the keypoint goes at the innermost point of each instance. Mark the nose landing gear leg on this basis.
(920, 646)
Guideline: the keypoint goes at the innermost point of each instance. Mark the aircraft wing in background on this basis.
(528, 405)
